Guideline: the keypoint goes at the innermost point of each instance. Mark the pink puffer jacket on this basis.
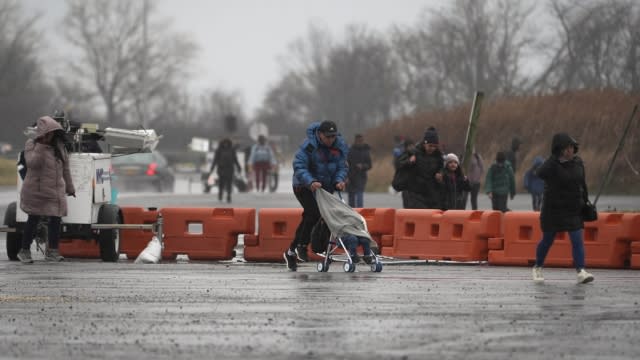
(48, 179)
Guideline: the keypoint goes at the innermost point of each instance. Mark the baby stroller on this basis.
(341, 220)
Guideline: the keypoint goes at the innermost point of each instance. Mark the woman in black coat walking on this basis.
(564, 195)
(226, 160)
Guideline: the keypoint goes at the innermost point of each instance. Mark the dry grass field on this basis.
(595, 118)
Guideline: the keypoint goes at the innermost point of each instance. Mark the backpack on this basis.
(400, 180)
(320, 235)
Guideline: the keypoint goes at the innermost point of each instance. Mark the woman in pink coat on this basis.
(47, 182)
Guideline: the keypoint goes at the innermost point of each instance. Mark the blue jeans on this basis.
(352, 242)
(577, 247)
(536, 201)
(356, 199)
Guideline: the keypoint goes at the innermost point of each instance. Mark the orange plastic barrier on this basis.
(79, 248)
(635, 255)
(380, 223)
(205, 233)
(413, 230)
(276, 230)
(457, 235)
(606, 241)
(632, 229)
(132, 242)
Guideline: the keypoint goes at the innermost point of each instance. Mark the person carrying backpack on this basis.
(533, 183)
(500, 183)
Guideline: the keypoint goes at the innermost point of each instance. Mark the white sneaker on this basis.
(584, 277)
(25, 256)
(537, 274)
(53, 255)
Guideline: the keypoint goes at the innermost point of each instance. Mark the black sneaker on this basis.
(355, 259)
(368, 259)
(291, 261)
(303, 255)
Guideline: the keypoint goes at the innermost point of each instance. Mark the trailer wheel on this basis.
(14, 239)
(109, 239)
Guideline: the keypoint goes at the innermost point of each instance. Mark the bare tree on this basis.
(24, 92)
(216, 106)
(352, 82)
(128, 56)
(473, 45)
(599, 46)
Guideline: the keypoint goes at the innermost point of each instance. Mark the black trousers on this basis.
(225, 186)
(310, 216)
(53, 231)
(499, 202)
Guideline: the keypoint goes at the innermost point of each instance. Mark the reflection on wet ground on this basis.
(236, 310)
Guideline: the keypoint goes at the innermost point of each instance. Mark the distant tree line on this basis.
(128, 67)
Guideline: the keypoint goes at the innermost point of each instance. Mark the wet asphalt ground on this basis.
(89, 309)
(86, 309)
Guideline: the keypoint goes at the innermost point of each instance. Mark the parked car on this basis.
(142, 171)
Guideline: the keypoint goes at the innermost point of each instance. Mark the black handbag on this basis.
(400, 180)
(589, 212)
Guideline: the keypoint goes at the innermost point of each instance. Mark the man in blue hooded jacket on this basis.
(320, 162)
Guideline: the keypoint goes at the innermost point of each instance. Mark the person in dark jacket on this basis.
(476, 171)
(564, 195)
(512, 154)
(401, 160)
(455, 182)
(320, 162)
(47, 184)
(533, 183)
(359, 160)
(500, 183)
(424, 190)
(225, 159)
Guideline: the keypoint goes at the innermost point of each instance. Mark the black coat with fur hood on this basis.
(564, 188)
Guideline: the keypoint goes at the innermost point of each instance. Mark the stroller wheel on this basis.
(321, 267)
(376, 267)
(349, 267)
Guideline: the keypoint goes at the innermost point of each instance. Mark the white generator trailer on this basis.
(91, 214)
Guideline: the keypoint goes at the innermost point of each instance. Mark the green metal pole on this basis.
(470, 140)
(605, 180)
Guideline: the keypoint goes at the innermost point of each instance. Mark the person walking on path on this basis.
(424, 190)
(225, 159)
(512, 154)
(533, 183)
(565, 193)
(402, 160)
(359, 160)
(46, 185)
(455, 182)
(476, 171)
(319, 162)
(500, 183)
(261, 160)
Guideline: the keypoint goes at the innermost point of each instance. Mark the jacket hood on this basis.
(45, 125)
(560, 141)
(538, 160)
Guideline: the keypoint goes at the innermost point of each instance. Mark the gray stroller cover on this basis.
(341, 218)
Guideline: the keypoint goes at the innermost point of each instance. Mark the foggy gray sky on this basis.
(240, 40)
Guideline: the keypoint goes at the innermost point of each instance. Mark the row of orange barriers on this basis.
(200, 233)
(607, 242)
(613, 241)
